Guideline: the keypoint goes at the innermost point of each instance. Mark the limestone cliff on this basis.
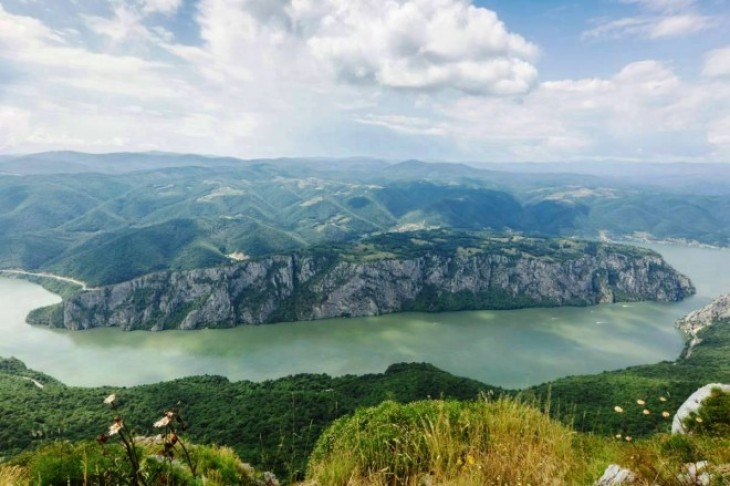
(318, 285)
(714, 312)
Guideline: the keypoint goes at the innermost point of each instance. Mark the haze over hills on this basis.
(119, 216)
(698, 178)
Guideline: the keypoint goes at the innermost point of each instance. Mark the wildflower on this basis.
(646, 411)
(618, 436)
(173, 439)
(662, 399)
(116, 426)
(665, 414)
(618, 409)
(110, 399)
(698, 420)
(470, 459)
(640, 402)
(163, 422)
(628, 438)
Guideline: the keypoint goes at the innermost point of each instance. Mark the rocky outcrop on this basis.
(693, 404)
(694, 322)
(615, 475)
(319, 286)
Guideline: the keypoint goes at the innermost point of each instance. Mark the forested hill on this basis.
(274, 424)
(120, 216)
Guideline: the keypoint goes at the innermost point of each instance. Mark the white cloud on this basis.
(162, 6)
(663, 5)
(644, 111)
(719, 133)
(663, 19)
(406, 124)
(341, 77)
(14, 126)
(678, 25)
(717, 63)
(124, 25)
(405, 44)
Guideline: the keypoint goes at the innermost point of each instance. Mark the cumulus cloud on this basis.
(644, 111)
(660, 19)
(387, 78)
(415, 45)
(717, 63)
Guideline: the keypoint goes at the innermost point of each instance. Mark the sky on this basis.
(450, 80)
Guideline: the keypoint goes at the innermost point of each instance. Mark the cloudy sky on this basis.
(469, 80)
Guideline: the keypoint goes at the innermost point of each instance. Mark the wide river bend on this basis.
(507, 348)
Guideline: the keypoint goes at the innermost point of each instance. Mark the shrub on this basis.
(714, 416)
(475, 442)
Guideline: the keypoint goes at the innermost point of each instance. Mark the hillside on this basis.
(275, 424)
(423, 271)
(185, 211)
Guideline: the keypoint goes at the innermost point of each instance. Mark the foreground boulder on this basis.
(616, 475)
(693, 405)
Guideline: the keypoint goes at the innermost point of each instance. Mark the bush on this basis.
(714, 416)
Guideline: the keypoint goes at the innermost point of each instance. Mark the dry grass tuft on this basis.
(446, 443)
(13, 476)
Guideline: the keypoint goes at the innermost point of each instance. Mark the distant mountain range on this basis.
(112, 217)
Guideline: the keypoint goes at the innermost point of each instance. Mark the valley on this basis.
(362, 243)
(193, 211)
(509, 348)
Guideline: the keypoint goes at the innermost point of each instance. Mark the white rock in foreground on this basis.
(615, 475)
(693, 404)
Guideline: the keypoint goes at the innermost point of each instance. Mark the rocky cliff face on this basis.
(714, 312)
(301, 287)
(717, 310)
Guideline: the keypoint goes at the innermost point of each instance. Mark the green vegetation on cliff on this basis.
(588, 400)
(438, 270)
(190, 211)
(273, 424)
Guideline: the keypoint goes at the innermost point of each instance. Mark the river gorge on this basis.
(507, 348)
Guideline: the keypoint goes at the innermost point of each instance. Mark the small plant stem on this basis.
(187, 456)
(132, 453)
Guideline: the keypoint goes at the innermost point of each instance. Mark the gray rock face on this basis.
(615, 475)
(716, 311)
(302, 287)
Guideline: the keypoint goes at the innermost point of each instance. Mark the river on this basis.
(507, 348)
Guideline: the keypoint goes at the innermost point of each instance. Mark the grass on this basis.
(88, 463)
(448, 442)
(505, 441)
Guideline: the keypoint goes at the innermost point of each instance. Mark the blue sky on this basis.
(482, 80)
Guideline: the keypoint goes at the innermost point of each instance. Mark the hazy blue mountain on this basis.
(123, 215)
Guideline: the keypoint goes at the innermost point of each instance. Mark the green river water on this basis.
(506, 348)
